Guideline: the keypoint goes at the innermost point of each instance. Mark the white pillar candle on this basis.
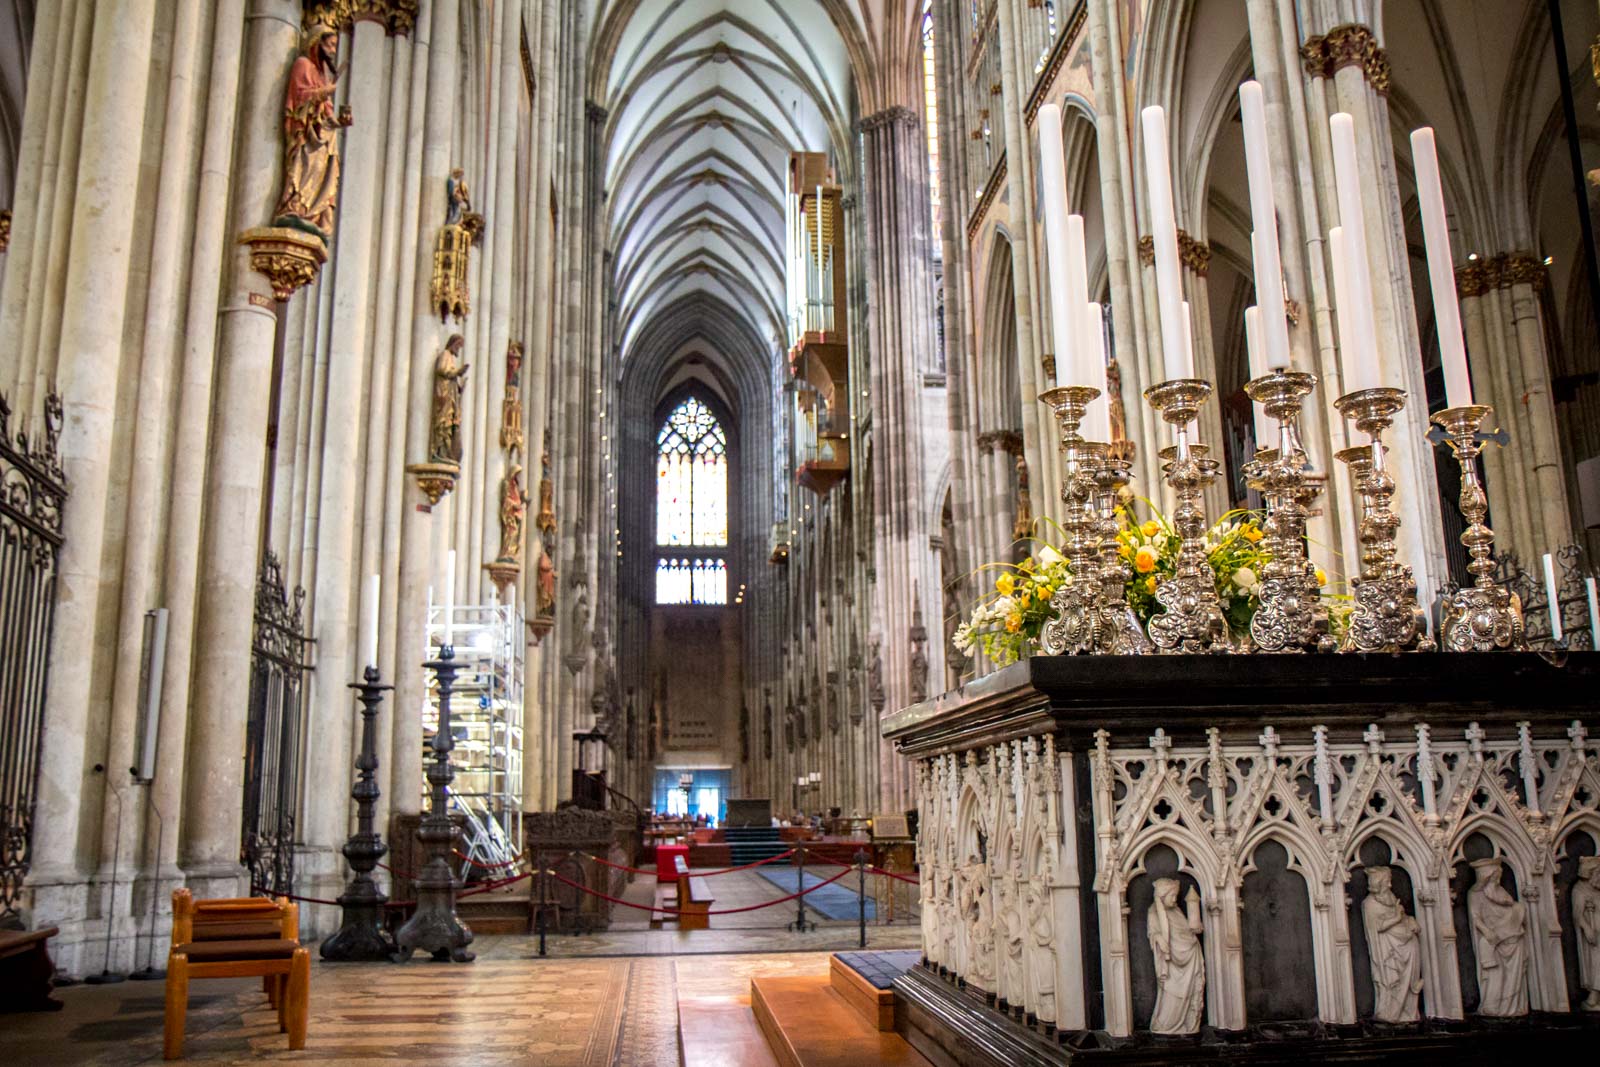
(369, 623)
(1258, 360)
(1441, 269)
(1552, 593)
(1187, 370)
(1053, 183)
(1097, 423)
(1358, 361)
(1594, 614)
(1082, 367)
(449, 604)
(1264, 217)
(1164, 233)
(1359, 351)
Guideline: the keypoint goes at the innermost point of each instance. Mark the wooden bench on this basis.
(694, 899)
(26, 973)
(243, 938)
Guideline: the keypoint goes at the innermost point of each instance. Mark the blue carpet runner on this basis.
(831, 902)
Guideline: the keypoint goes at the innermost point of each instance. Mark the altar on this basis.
(1181, 858)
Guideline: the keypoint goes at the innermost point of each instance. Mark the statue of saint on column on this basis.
(1394, 948)
(1180, 961)
(444, 440)
(511, 402)
(1500, 941)
(310, 132)
(513, 512)
(1586, 918)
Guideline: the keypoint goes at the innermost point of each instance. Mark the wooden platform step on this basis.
(808, 1024)
(721, 1032)
(497, 912)
(875, 1005)
(666, 896)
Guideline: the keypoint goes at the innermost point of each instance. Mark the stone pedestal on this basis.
(1088, 824)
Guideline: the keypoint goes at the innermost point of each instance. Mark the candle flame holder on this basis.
(362, 935)
(1192, 619)
(1386, 617)
(1482, 617)
(1290, 617)
(1123, 634)
(1076, 628)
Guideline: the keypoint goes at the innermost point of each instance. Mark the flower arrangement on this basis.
(1006, 623)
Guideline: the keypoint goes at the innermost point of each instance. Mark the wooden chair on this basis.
(236, 939)
(26, 973)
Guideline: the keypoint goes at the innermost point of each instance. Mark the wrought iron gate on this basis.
(279, 660)
(32, 491)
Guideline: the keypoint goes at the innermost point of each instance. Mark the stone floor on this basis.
(600, 1000)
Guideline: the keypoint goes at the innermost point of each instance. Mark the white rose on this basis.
(1244, 578)
(1048, 557)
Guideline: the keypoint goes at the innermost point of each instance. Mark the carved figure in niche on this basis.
(311, 136)
(945, 907)
(444, 442)
(1042, 932)
(875, 691)
(513, 513)
(1180, 961)
(977, 914)
(1119, 415)
(1500, 941)
(919, 650)
(1586, 918)
(546, 581)
(1013, 931)
(457, 200)
(511, 404)
(1396, 951)
(1022, 528)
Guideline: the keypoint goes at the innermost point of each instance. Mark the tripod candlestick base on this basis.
(1482, 617)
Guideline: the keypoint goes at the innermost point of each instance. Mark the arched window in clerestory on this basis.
(691, 507)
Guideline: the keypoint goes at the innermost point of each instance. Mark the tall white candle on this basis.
(1097, 422)
(1358, 350)
(1187, 369)
(369, 623)
(449, 605)
(1552, 593)
(1053, 186)
(1264, 217)
(1164, 233)
(1594, 614)
(1258, 360)
(1082, 364)
(1441, 269)
(1359, 363)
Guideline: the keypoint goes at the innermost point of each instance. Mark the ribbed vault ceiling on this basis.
(705, 100)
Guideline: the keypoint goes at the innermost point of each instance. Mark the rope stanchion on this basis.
(677, 911)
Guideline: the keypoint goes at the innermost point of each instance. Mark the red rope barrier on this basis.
(298, 900)
(488, 866)
(679, 911)
(613, 866)
(697, 874)
(892, 874)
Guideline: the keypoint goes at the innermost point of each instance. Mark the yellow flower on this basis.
(1145, 561)
(1024, 595)
(1322, 577)
(1253, 534)
(1150, 584)
(1006, 584)
(1150, 528)
(1013, 622)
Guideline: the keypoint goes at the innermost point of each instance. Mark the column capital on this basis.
(597, 115)
(5, 229)
(889, 116)
(1192, 253)
(1501, 271)
(1347, 45)
(396, 16)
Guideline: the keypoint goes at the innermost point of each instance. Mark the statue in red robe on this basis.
(310, 132)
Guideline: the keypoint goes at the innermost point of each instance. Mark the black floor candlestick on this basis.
(434, 927)
(363, 935)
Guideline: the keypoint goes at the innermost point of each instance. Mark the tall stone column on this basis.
(899, 289)
(418, 531)
(230, 542)
(93, 315)
(330, 707)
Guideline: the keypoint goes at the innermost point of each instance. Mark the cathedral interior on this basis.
(668, 496)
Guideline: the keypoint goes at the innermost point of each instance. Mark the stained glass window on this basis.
(691, 506)
(691, 478)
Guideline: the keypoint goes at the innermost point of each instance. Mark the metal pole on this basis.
(363, 935)
(861, 892)
(544, 886)
(800, 925)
